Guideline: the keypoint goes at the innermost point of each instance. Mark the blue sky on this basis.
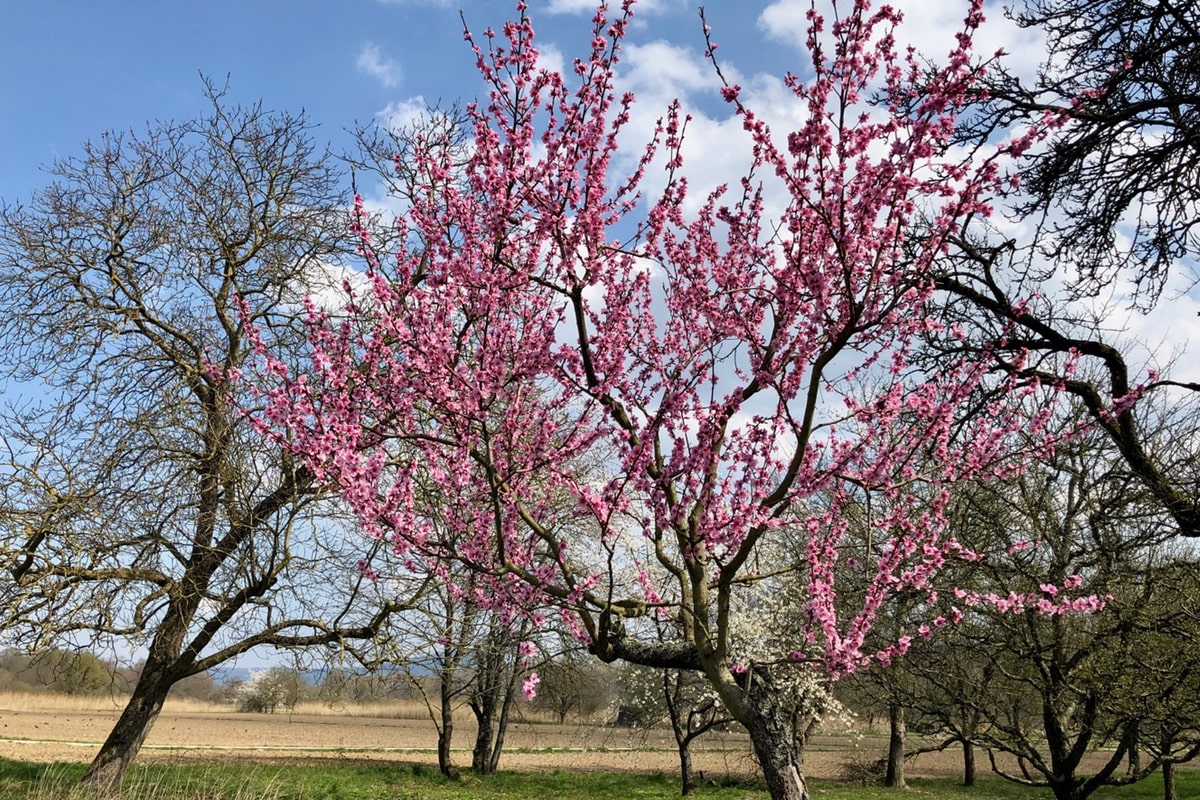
(74, 68)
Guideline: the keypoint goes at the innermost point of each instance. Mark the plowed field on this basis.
(33, 728)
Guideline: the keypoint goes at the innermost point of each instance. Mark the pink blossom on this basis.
(588, 360)
(529, 688)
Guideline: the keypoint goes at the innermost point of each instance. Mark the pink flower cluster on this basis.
(576, 369)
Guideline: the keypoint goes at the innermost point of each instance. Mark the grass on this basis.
(347, 779)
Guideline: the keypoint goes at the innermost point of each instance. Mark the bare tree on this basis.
(1112, 204)
(1115, 191)
(681, 698)
(497, 670)
(1059, 688)
(573, 685)
(137, 503)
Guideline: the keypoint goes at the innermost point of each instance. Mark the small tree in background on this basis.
(497, 666)
(1058, 691)
(272, 689)
(72, 672)
(573, 685)
(680, 697)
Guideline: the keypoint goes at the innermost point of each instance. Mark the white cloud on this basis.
(571, 6)
(661, 70)
(1163, 334)
(784, 21)
(372, 61)
(401, 115)
(551, 58)
(929, 27)
(589, 6)
(325, 284)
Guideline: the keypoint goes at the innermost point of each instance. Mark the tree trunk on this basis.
(777, 758)
(686, 776)
(446, 732)
(895, 758)
(773, 736)
(1168, 773)
(481, 753)
(753, 700)
(108, 768)
(671, 680)
(491, 702)
(502, 726)
(968, 762)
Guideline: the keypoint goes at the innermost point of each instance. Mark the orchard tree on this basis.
(497, 664)
(683, 698)
(1111, 201)
(1060, 691)
(136, 503)
(571, 685)
(726, 358)
(271, 689)
(436, 647)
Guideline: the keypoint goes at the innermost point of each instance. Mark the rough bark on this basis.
(446, 731)
(968, 763)
(895, 759)
(773, 736)
(124, 741)
(777, 757)
(1168, 773)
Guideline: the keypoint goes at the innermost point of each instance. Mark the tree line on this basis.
(869, 437)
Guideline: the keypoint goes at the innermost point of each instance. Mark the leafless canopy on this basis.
(136, 502)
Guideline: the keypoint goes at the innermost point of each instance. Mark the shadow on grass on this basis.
(31, 772)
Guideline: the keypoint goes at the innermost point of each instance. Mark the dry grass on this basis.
(112, 703)
(378, 709)
(51, 701)
(47, 728)
(60, 783)
(406, 710)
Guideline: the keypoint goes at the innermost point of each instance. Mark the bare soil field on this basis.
(46, 729)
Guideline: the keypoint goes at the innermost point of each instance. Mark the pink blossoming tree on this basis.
(621, 395)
